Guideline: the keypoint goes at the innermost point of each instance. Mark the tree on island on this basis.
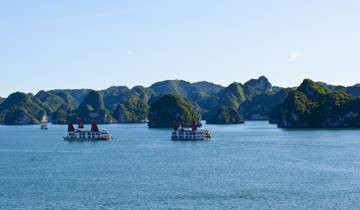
(172, 109)
(313, 105)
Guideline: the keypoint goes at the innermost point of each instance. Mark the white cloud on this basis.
(295, 56)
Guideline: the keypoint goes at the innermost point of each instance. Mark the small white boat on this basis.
(44, 123)
(82, 134)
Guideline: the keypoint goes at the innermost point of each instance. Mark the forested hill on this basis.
(254, 100)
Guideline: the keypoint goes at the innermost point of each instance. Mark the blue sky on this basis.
(97, 44)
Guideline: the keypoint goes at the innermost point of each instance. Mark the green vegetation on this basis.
(93, 107)
(132, 110)
(256, 99)
(256, 87)
(20, 109)
(313, 105)
(60, 116)
(171, 109)
(70, 101)
(224, 106)
(232, 96)
(113, 95)
(226, 115)
(143, 93)
(73, 98)
(184, 88)
(261, 106)
(93, 101)
(50, 102)
(202, 94)
(354, 90)
(314, 90)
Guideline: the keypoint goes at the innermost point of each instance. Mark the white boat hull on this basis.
(79, 139)
(190, 135)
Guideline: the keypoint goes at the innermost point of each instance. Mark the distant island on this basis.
(312, 104)
(172, 110)
(317, 105)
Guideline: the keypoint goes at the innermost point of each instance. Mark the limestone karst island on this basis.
(310, 105)
(180, 104)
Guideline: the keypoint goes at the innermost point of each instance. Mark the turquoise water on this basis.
(251, 166)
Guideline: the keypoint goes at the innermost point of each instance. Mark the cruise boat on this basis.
(44, 123)
(190, 134)
(82, 134)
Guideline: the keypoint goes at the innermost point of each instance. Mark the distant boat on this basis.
(44, 123)
(190, 134)
(82, 134)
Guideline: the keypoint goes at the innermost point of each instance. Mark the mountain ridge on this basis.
(255, 99)
(317, 105)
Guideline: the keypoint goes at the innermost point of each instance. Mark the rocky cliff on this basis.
(313, 105)
(170, 110)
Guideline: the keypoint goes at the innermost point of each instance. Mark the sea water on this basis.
(249, 166)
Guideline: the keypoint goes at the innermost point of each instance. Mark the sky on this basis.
(48, 44)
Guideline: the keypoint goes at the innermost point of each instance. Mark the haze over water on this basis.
(251, 166)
